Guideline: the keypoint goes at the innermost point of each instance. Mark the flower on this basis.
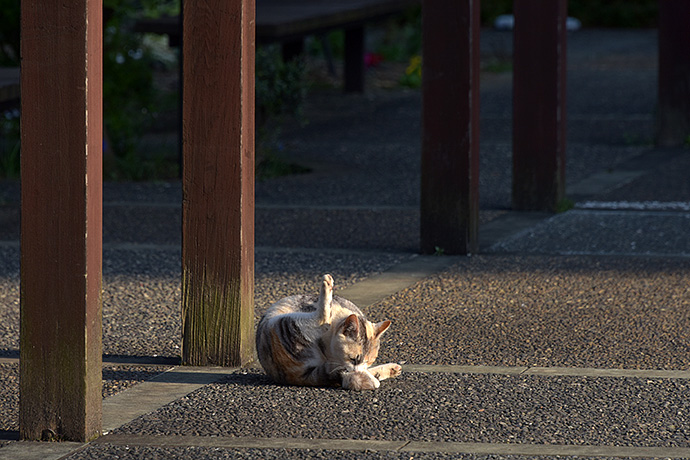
(372, 59)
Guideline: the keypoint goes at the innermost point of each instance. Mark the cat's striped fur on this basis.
(322, 340)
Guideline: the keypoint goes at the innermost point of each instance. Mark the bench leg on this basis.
(293, 49)
(354, 60)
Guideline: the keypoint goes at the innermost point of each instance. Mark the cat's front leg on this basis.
(386, 371)
(323, 304)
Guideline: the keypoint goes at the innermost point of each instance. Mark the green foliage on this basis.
(280, 92)
(402, 37)
(498, 64)
(129, 97)
(9, 33)
(280, 86)
(270, 165)
(128, 92)
(491, 9)
(9, 144)
(136, 167)
(335, 40)
(413, 73)
(564, 205)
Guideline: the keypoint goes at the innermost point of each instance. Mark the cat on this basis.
(321, 341)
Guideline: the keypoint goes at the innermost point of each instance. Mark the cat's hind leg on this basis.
(385, 371)
(323, 304)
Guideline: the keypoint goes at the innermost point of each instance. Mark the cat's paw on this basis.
(325, 299)
(327, 284)
(360, 380)
(394, 369)
(386, 371)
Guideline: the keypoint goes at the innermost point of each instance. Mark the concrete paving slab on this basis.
(26, 450)
(461, 451)
(338, 448)
(537, 311)
(605, 232)
(397, 278)
(550, 371)
(439, 407)
(666, 179)
(162, 389)
(116, 379)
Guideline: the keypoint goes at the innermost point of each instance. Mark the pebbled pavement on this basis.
(605, 285)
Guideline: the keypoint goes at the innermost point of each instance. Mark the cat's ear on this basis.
(380, 328)
(351, 327)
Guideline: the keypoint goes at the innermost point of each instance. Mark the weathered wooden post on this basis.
(218, 183)
(674, 73)
(539, 115)
(450, 120)
(61, 171)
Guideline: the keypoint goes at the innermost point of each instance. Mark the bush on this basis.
(280, 90)
(129, 96)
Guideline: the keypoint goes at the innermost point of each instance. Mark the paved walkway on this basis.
(566, 336)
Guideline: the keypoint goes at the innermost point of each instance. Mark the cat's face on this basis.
(356, 343)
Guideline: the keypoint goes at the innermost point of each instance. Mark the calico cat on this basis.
(321, 341)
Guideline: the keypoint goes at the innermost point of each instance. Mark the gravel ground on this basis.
(394, 230)
(437, 407)
(9, 397)
(99, 451)
(141, 292)
(141, 313)
(544, 311)
(115, 379)
(488, 310)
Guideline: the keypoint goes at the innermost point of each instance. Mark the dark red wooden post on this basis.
(61, 245)
(450, 119)
(539, 123)
(218, 183)
(674, 73)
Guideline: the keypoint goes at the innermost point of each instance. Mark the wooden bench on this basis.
(289, 21)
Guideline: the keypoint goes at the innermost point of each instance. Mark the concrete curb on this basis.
(151, 395)
(395, 279)
(395, 446)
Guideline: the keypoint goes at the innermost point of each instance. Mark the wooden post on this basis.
(61, 244)
(450, 119)
(539, 122)
(674, 73)
(218, 183)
